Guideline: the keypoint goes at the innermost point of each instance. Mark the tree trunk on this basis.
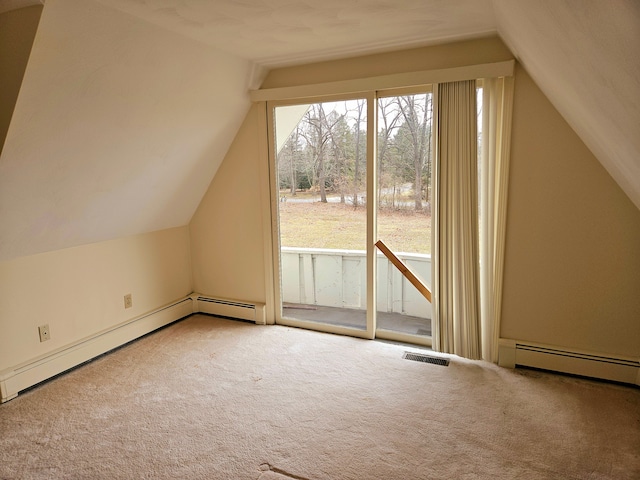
(292, 175)
(356, 170)
(321, 174)
(417, 188)
(292, 165)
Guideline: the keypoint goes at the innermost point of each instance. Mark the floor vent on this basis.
(419, 357)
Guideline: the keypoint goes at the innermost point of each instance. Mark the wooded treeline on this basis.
(326, 152)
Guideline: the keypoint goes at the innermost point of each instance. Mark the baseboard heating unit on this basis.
(253, 312)
(514, 353)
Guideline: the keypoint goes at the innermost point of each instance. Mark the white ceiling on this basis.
(582, 53)
(281, 32)
(149, 94)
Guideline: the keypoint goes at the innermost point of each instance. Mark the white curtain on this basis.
(468, 248)
(455, 282)
(497, 100)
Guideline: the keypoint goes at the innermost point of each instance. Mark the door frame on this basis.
(274, 265)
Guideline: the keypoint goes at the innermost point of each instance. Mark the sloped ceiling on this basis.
(275, 33)
(118, 129)
(128, 106)
(17, 31)
(8, 5)
(584, 55)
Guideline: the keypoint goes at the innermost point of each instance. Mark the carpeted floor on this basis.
(208, 398)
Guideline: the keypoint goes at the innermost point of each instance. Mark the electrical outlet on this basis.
(128, 301)
(45, 335)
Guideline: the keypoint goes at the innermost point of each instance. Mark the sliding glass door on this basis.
(330, 275)
(404, 212)
(321, 164)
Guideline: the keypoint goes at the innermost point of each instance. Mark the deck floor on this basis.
(356, 318)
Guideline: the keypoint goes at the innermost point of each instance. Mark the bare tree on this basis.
(318, 136)
(287, 161)
(329, 145)
(415, 128)
(360, 112)
(340, 136)
(389, 117)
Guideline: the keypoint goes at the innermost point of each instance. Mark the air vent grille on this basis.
(419, 357)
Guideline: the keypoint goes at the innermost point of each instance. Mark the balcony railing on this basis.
(338, 278)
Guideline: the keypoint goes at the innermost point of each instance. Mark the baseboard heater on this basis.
(253, 312)
(513, 353)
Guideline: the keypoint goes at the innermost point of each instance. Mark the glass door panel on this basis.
(404, 211)
(321, 180)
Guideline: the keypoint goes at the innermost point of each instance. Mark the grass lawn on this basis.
(337, 226)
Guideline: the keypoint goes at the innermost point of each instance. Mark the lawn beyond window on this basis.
(314, 224)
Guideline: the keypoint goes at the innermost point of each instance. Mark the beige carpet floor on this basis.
(208, 398)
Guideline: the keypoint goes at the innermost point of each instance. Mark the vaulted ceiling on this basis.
(583, 54)
(128, 106)
(282, 32)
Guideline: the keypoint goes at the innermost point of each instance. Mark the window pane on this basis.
(404, 210)
(321, 167)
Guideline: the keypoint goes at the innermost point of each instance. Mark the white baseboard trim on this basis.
(617, 368)
(29, 374)
(20, 377)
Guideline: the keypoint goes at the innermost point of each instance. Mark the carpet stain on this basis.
(274, 473)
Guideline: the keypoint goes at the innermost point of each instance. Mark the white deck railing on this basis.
(338, 278)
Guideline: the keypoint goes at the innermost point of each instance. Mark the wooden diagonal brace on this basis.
(404, 269)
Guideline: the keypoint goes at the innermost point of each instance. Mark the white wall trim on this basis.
(269, 208)
(617, 368)
(385, 82)
(28, 374)
(512, 353)
(53, 363)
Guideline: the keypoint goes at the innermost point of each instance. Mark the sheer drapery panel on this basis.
(497, 99)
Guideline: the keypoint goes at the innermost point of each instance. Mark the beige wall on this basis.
(79, 291)
(572, 269)
(17, 31)
(230, 226)
(227, 229)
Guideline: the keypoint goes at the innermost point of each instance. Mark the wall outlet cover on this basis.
(44, 332)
